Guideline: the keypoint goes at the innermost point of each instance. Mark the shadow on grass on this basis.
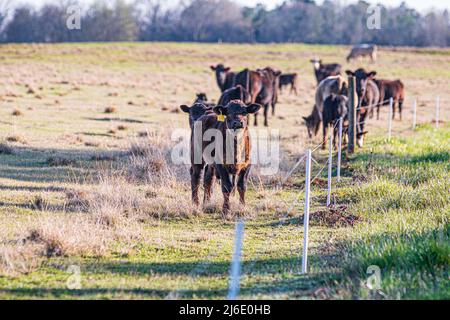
(413, 263)
(32, 165)
(291, 283)
(127, 120)
(434, 157)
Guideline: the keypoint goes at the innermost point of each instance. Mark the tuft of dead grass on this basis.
(16, 112)
(16, 138)
(111, 109)
(57, 161)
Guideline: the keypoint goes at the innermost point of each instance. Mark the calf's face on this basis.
(221, 71)
(236, 113)
(195, 112)
(310, 125)
(362, 77)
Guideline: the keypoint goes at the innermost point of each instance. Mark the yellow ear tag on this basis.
(221, 118)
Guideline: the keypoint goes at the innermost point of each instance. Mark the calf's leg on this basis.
(324, 138)
(266, 111)
(226, 189)
(242, 184)
(196, 172)
(208, 181)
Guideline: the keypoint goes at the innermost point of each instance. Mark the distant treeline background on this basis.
(223, 20)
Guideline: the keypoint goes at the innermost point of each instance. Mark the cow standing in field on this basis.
(268, 96)
(363, 50)
(262, 85)
(368, 97)
(289, 79)
(391, 89)
(330, 85)
(251, 81)
(196, 112)
(323, 71)
(224, 77)
(231, 159)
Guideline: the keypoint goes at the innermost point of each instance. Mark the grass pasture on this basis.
(86, 187)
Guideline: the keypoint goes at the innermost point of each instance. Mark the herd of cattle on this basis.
(248, 91)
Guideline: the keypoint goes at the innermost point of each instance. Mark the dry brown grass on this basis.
(111, 109)
(16, 138)
(17, 113)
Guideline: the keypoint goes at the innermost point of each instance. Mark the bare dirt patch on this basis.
(336, 216)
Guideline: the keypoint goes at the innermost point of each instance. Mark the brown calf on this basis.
(391, 89)
(235, 127)
(196, 112)
(250, 81)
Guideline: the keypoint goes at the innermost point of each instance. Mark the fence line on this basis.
(306, 214)
(236, 267)
(330, 167)
(338, 171)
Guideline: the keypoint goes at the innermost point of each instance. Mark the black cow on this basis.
(323, 71)
(289, 79)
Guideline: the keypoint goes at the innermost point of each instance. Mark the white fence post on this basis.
(391, 113)
(414, 114)
(341, 120)
(235, 272)
(306, 215)
(330, 167)
(438, 102)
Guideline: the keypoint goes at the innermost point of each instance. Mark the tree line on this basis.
(224, 21)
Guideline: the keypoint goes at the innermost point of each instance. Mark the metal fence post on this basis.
(341, 120)
(391, 112)
(306, 215)
(351, 115)
(330, 167)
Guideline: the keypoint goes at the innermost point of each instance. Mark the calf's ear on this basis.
(253, 108)
(185, 108)
(220, 110)
(350, 73)
(372, 74)
(227, 69)
(213, 68)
